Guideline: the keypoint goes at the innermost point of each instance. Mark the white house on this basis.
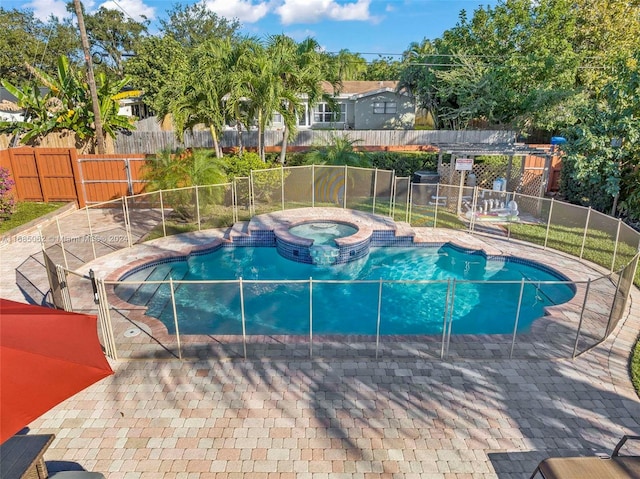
(363, 105)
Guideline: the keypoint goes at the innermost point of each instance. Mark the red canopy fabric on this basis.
(46, 356)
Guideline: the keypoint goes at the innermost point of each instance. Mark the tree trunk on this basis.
(261, 137)
(216, 144)
(283, 151)
(240, 144)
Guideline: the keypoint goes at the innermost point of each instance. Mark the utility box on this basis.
(429, 177)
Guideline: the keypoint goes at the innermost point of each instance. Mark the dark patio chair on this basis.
(608, 467)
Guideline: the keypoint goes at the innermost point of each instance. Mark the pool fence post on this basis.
(444, 318)
(392, 194)
(282, 186)
(409, 202)
(234, 200)
(515, 326)
(252, 205)
(375, 189)
(586, 228)
(198, 206)
(175, 316)
(584, 306)
(546, 236)
(91, 238)
(242, 318)
(615, 245)
(313, 185)
(378, 322)
(474, 205)
(310, 317)
(127, 220)
(164, 226)
(61, 239)
(453, 300)
(344, 195)
(435, 212)
(104, 317)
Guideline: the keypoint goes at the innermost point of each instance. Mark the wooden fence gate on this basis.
(44, 174)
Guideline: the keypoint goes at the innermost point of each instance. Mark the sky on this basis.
(369, 27)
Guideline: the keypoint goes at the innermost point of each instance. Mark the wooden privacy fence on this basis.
(61, 174)
(153, 141)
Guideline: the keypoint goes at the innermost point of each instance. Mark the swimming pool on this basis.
(414, 296)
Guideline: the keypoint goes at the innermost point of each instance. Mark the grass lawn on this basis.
(635, 367)
(27, 211)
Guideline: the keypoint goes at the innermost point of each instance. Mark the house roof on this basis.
(361, 87)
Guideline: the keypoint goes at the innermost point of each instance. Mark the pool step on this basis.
(238, 230)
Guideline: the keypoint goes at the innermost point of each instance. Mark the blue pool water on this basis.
(323, 233)
(406, 307)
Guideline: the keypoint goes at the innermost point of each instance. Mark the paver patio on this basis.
(407, 417)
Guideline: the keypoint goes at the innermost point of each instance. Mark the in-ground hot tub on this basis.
(323, 242)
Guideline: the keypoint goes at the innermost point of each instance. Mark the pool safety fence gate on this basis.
(79, 237)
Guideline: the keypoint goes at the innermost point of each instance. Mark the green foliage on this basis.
(66, 106)
(168, 170)
(241, 166)
(340, 150)
(634, 366)
(25, 38)
(112, 35)
(194, 24)
(602, 155)
(405, 164)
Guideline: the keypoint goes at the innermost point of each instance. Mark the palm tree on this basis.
(340, 150)
(198, 90)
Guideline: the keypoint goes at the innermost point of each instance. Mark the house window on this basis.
(323, 113)
(385, 108)
(277, 119)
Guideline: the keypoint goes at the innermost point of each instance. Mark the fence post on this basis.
(444, 319)
(127, 220)
(392, 195)
(451, 310)
(474, 205)
(584, 305)
(378, 322)
(409, 202)
(584, 235)
(234, 200)
(515, 326)
(91, 238)
(615, 245)
(64, 288)
(242, 318)
(104, 317)
(435, 211)
(164, 226)
(313, 185)
(198, 206)
(375, 189)
(252, 205)
(175, 316)
(344, 196)
(282, 185)
(310, 317)
(61, 239)
(546, 236)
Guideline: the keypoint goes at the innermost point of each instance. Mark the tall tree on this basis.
(112, 36)
(25, 39)
(195, 23)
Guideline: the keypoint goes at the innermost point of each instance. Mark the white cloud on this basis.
(313, 11)
(43, 9)
(134, 8)
(389, 8)
(244, 10)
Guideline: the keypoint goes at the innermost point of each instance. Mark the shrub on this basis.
(7, 201)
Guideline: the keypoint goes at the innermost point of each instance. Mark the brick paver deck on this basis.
(328, 418)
